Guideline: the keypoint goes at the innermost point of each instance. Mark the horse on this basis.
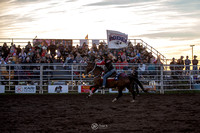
(124, 81)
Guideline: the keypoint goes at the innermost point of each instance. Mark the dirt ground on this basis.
(74, 113)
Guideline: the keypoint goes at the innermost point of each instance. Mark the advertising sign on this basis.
(58, 89)
(85, 89)
(2, 88)
(25, 89)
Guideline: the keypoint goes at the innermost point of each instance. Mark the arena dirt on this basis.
(75, 113)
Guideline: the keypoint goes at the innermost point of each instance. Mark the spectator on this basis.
(78, 58)
(172, 68)
(119, 64)
(142, 68)
(18, 50)
(187, 65)
(5, 50)
(195, 63)
(180, 62)
(22, 55)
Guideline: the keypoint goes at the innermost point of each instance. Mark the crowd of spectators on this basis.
(58, 53)
(67, 54)
(177, 67)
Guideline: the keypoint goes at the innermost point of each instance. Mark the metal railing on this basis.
(73, 75)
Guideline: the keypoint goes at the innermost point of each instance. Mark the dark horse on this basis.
(123, 81)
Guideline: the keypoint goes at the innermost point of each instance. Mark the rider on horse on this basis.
(108, 66)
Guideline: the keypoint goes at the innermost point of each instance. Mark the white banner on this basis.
(58, 89)
(2, 88)
(25, 89)
(96, 42)
(116, 39)
(82, 41)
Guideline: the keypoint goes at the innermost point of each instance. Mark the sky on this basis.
(170, 26)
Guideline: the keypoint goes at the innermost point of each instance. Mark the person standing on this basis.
(173, 68)
(187, 65)
(195, 63)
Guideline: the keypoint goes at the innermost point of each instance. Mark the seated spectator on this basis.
(141, 68)
(119, 64)
(22, 55)
(78, 58)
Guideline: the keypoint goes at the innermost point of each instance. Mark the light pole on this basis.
(192, 50)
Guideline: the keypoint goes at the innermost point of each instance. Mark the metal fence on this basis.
(42, 75)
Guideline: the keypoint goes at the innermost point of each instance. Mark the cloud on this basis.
(117, 2)
(173, 36)
(184, 6)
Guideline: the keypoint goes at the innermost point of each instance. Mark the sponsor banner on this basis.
(2, 88)
(114, 90)
(85, 89)
(25, 89)
(58, 89)
(150, 87)
(47, 42)
(83, 42)
(116, 39)
(95, 42)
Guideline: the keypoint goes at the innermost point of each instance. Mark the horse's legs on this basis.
(132, 92)
(119, 94)
(135, 86)
(92, 92)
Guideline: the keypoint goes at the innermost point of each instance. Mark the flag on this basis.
(86, 37)
(116, 39)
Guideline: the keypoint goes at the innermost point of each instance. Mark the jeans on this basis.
(107, 75)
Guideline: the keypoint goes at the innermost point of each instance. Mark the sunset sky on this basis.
(170, 26)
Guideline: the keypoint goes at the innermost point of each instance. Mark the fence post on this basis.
(41, 80)
(72, 66)
(161, 80)
(9, 75)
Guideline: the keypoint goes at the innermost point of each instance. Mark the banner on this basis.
(85, 89)
(25, 89)
(150, 87)
(47, 42)
(83, 42)
(116, 39)
(114, 90)
(2, 88)
(58, 89)
(95, 42)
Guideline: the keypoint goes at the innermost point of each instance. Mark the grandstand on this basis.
(153, 70)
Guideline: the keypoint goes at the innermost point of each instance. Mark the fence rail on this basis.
(73, 75)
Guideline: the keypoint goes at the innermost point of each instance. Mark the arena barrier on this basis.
(60, 78)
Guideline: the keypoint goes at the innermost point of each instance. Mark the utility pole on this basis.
(192, 50)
